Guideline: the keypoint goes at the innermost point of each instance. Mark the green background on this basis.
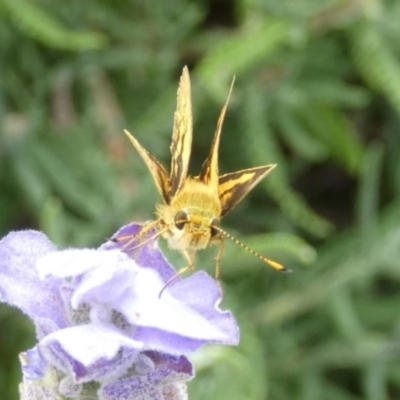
(317, 91)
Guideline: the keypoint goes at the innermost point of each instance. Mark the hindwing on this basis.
(156, 169)
(235, 185)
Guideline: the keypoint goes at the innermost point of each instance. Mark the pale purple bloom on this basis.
(103, 329)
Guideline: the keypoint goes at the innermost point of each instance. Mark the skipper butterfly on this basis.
(189, 218)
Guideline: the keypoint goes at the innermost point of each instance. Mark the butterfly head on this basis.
(191, 229)
(195, 228)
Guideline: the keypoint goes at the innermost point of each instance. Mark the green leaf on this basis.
(333, 129)
(239, 52)
(39, 24)
(262, 148)
(376, 60)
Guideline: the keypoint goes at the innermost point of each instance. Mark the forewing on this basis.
(234, 186)
(209, 173)
(182, 135)
(156, 169)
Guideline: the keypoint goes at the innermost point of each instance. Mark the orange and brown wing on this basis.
(209, 173)
(182, 135)
(156, 169)
(234, 186)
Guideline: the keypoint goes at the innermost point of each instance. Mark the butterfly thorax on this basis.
(190, 216)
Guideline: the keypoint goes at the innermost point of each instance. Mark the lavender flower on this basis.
(103, 331)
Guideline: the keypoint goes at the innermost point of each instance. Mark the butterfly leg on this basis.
(218, 262)
(190, 256)
(132, 238)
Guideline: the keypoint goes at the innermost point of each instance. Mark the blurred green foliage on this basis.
(317, 91)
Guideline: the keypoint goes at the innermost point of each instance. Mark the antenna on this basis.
(271, 263)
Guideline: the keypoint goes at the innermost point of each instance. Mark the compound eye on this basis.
(180, 219)
(214, 223)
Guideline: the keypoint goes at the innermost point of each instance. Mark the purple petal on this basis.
(99, 312)
(101, 370)
(102, 275)
(178, 311)
(193, 299)
(148, 255)
(185, 317)
(89, 343)
(76, 262)
(202, 294)
(20, 285)
(171, 343)
(33, 365)
(165, 382)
